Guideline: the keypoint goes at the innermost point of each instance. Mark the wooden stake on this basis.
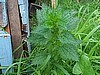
(15, 26)
(53, 3)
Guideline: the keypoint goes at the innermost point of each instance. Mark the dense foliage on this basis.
(53, 38)
(64, 41)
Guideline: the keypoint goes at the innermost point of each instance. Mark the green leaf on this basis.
(42, 15)
(39, 59)
(67, 51)
(62, 69)
(37, 40)
(72, 23)
(42, 31)
(45, 62)
(68, 48)
(54, 72)
(85, 66)
(76, 69)
(68, 38)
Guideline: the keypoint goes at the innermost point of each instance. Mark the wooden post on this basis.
(15, 26)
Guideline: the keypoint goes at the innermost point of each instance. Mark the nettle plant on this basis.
(54, 47)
